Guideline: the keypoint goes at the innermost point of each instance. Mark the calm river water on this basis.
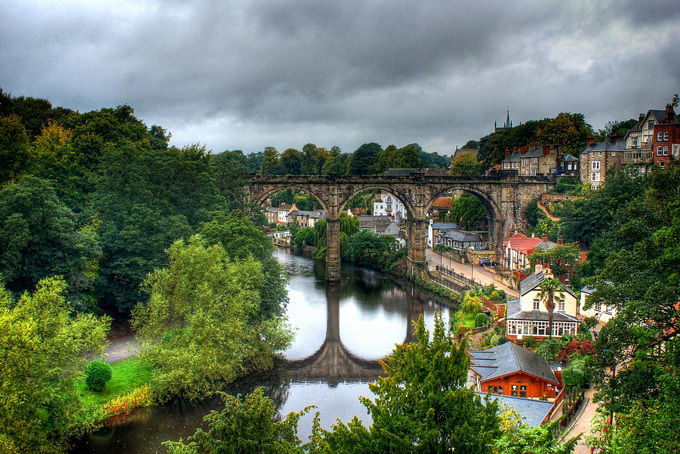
(341, 331)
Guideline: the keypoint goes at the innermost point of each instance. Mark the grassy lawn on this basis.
(468, 320)
(127, 375)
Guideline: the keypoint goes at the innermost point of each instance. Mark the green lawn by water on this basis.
(127, 375)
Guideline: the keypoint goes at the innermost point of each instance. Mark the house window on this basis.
(613, 154)
(651, 124)
(665, 136)
(596, 165)
(596, 176)
(560, 306)
(665, 150)
(522, 391)
(659, 136)
(658, 150)
(537, 304)
(514, 390)
(500, 390)
(535, 160)
(662, 164)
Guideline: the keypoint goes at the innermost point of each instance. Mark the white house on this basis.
(602, 312)
(391, 206)
(528, 317)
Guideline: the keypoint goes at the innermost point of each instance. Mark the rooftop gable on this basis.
(507, 359)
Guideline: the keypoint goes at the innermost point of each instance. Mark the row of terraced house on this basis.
(654, 140)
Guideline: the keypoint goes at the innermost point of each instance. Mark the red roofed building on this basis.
(517, 249)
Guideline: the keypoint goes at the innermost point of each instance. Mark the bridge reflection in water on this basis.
(343, 329)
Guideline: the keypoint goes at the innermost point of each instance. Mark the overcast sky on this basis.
(234, 74)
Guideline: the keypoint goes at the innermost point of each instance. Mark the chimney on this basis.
(546, 150)
(548, 272)
(281, 204)
(507, 152)
(523, 149)
(641, 117)
(591, 140)
(544, 237)
(314, 208)
(539, 267)
(560, 241)
(670, 114)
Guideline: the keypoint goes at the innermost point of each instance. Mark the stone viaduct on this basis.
(505, 199)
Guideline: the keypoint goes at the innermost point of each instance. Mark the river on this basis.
(341, 331)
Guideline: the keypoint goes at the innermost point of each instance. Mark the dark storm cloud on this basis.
(254, 73)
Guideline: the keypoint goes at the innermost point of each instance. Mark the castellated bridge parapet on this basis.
(504, 197)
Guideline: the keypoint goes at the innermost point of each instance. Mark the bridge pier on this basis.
(333, 250)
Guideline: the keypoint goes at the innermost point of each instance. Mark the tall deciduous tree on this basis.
(362, 160)
(200, 326)
(466, 165)
(241, 239)
(39, 238)
(422, 404)
(42, 354)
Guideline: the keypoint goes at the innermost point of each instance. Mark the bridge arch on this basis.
(491, 206)
(261, 198)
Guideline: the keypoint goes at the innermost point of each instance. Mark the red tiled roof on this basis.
(520, 242)
(443, 203)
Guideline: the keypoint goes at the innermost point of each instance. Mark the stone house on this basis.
(517, 248)
(528, 317)
(305, 218)
(598, 158)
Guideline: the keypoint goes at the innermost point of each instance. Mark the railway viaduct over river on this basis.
(505, 199)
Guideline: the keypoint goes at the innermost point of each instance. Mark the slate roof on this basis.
(514, 312)
(660, 116)
(445, 226)
(606, 146)
(535, 153)
(533, 280)
(392, 229)
(568, 157)
(532, 411)
(507, 359)
(512, 158)
(462, 236)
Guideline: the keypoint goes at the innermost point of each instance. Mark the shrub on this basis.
(481, 320)
(530, 342)
(97, 373)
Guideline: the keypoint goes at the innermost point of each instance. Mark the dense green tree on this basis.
(362, 160)
(271, 163)
(15, 155)
(39, 238)
(568, 130)
(433, 160)
(245, 425)
(42, 354)
(337, 164)
(229, 169)
(241, 240)
(466, 165)
(200, 326)
(407, 157)
(291, 160)
(637, 351)
(544, 439)
(467, 211)
(422, 404)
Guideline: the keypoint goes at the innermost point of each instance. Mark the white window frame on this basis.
(665, 150)
(596, 165)
(659, 136)
(665, 136)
